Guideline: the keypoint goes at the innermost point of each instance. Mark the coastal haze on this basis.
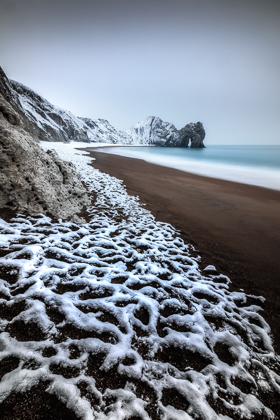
(215, 62)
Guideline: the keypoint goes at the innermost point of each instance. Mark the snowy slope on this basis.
(53, 123)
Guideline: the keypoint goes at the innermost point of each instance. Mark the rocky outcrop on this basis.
(32, 180)
(50, 123)
(8, 112)
(192, 134)
(154, 131)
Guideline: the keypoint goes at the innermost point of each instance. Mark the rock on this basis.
(9, 112)
(33, 180)
(193, 133)
(154, 131)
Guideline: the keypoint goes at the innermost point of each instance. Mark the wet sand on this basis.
(235, 227)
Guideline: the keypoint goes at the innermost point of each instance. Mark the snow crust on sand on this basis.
(118, 316)
(72, 145)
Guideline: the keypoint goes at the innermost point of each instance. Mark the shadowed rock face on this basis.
(31, 179)
(7, 101)
(193, 133)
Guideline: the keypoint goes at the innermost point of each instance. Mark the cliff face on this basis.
(154, 131)
(50, 123)
(32, 180)
(191, 135)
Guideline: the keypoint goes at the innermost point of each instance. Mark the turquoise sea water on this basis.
(256, 156)
(257, 165)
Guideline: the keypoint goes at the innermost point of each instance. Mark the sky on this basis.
(214, 61)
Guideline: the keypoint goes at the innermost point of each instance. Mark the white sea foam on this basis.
(268, 178)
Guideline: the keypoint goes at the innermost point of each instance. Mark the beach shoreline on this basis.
(234, 226)
(223, 164)
(124, 287)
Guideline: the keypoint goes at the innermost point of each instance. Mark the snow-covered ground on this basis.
(66, 147)
(117, 315)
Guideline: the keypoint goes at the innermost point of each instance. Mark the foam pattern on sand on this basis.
(118, 320)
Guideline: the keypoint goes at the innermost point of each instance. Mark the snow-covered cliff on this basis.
(45, 121)
(154, 131)
(53, 123)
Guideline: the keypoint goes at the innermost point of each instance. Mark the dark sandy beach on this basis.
(235, 227)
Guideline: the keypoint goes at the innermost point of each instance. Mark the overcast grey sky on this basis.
(215, 61)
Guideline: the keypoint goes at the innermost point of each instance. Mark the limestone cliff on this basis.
(32, 180)
(154, 131)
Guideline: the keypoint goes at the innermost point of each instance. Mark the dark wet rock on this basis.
(192, 134)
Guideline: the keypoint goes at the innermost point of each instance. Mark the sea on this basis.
(255, 165)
